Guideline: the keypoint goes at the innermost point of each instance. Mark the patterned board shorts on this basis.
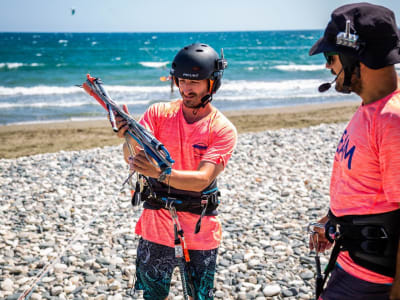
(341, 285)
(155, 264)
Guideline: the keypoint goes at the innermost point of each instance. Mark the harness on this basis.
(157, 195)
(371, 240)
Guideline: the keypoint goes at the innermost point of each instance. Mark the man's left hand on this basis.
(141, 164)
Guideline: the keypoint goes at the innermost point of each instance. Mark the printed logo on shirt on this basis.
(344, 151)
(199, 149)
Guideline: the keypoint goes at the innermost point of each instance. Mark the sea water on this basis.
(39, 71)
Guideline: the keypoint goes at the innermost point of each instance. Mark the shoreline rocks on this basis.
(69, 203)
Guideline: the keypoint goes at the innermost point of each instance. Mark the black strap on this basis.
(331, 264)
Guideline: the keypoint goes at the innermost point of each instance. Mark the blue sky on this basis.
(161, 16)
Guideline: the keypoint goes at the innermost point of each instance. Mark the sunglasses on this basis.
(329, 56)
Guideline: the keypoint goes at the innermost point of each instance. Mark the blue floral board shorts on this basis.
(155, 264)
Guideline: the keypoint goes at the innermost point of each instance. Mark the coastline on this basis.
(37, 138)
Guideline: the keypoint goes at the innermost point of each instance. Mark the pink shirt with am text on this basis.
(366, 170)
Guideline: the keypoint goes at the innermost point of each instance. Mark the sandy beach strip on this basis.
(36, 138)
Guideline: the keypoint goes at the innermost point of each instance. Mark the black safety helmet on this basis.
(199, 61)
(361, 32)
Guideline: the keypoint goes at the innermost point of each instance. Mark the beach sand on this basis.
(30, 139)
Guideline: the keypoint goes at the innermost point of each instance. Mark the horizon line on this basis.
(214, 31)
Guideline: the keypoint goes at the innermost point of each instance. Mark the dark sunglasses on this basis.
(329, 56)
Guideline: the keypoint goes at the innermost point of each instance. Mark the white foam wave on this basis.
(58, 90)
(11, 65)
(37, 90)
(58, 104)
(15, 65)
(253, 97)
(43, 104)
(151, 64)
(231, 90)
(254, 90)
(240, 86)
(73, 119)
(299, 67)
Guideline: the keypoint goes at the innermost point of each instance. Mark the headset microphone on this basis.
(327, 85)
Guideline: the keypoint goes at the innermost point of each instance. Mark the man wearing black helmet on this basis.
(200, 140)
(361, 46)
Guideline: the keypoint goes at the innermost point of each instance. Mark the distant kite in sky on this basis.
(72, 11)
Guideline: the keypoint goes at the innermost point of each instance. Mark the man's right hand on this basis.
(319, 239)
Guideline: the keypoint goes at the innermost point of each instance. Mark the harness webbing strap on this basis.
(182, 254)
(331, 264)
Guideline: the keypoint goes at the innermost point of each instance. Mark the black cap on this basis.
(372, 35)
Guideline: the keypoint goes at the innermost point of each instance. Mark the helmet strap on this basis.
(206, 99)
(350, 65)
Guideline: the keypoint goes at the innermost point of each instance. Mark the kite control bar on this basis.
(94, 87)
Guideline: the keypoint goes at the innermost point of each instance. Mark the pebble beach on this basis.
(66, 211)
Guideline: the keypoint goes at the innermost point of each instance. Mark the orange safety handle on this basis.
(89, 90)
(186, 254)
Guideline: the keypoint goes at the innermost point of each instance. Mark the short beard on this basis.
(355, 86)
(190, 105)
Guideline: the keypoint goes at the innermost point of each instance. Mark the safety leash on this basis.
(319, 281)
(334, 237)
(181, 254)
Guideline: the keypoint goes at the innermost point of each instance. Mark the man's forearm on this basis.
(195, 181)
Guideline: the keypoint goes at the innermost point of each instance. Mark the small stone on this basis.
(57, 290)
(224, 262)
(90, 278)
(36, 296)
(271, 290)
(289, 292)
(60, 268)
(69, 289)
(115, 285)
(253, 262)
(219, 294)
(7, 285)
(115, 297)
(307, 275)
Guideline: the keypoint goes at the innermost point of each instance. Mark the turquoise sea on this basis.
(39, 71)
